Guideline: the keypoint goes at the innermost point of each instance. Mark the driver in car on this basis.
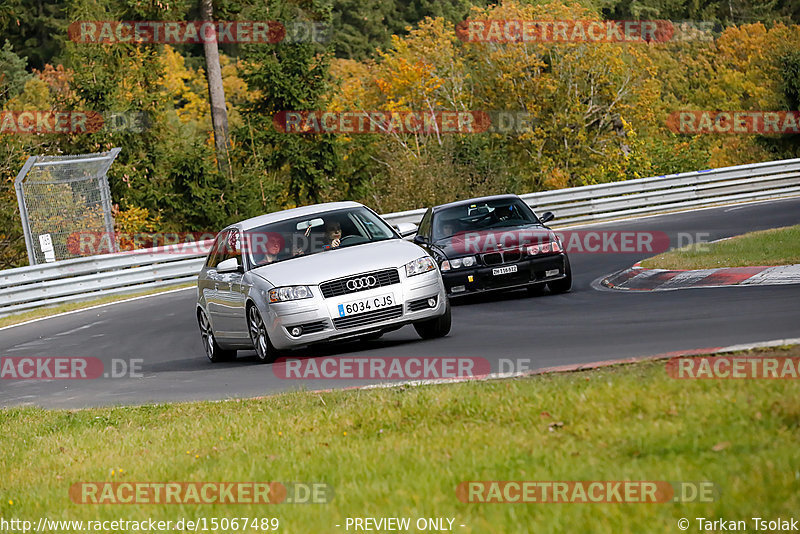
(505, 213)
(333, 234)
(447, 229)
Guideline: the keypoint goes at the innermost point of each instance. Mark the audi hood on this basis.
(338, 263)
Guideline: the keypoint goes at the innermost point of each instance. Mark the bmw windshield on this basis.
(312, 234)
(498, 213)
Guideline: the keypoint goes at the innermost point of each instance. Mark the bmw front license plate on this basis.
(366, 305)
(504, 270)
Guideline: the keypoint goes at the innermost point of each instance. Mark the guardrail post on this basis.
(23, 209)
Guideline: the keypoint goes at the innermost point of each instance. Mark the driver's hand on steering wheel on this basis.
(335, 243)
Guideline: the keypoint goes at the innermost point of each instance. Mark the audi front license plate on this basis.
(504, 270)
(365, 305)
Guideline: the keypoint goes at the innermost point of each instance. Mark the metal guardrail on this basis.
(49, 284)
(32, 287)
(695, 189)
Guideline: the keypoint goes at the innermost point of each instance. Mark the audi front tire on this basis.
(436, 327)
(265, 352)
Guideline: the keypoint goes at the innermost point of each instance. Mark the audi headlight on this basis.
(420, 265)
(283, 294)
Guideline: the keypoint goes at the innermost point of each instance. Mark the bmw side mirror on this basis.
(420, 239)
(547, 216)
(231, 265)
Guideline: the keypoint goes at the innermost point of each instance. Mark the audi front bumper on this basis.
(320, 319)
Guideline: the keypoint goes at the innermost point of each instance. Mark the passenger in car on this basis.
(270, 252)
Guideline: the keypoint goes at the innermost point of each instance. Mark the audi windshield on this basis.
(312, 234)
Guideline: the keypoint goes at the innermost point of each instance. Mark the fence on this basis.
(60, 196)
(84, 278)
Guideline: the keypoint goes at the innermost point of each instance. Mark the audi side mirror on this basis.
(406, 229)
(231, 265)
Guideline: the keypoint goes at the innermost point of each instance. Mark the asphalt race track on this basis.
(582, 326)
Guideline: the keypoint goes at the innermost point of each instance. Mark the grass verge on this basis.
(401, 452)
(778, 246)
(71, 306)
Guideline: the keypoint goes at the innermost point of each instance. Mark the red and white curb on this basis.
(637, 278)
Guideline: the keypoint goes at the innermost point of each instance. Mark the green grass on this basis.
(61, 308)
(402, 451)
(779, 246)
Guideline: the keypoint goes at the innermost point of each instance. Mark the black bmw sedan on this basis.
(493, 243)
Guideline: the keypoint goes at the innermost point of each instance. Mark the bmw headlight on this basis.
(420, 265)
(286, 293)
(457, 263)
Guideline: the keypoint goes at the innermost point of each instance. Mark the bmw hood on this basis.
(479, 242)
(331, 264)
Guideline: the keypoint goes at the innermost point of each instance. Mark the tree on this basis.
(287, 77)
(216, 93)
(790, 72)
(12, 73)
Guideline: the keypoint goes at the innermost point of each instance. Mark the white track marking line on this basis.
(62, 314)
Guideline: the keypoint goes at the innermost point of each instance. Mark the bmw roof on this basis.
(474, 201)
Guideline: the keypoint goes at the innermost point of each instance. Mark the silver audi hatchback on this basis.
(312, 274)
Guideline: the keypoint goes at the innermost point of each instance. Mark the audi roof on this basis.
(278, 216)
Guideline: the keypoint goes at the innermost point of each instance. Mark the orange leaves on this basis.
(421, 70)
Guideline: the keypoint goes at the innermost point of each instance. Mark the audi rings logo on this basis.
(357, 284)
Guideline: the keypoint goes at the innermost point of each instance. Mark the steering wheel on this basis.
(350, 239)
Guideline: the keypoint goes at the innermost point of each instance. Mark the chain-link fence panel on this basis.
(61, 199)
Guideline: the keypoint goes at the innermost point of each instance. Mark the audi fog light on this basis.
(432, 302)
(283, 294)
(296, 331)
(419, 266)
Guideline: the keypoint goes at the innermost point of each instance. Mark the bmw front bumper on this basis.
(530, 271)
